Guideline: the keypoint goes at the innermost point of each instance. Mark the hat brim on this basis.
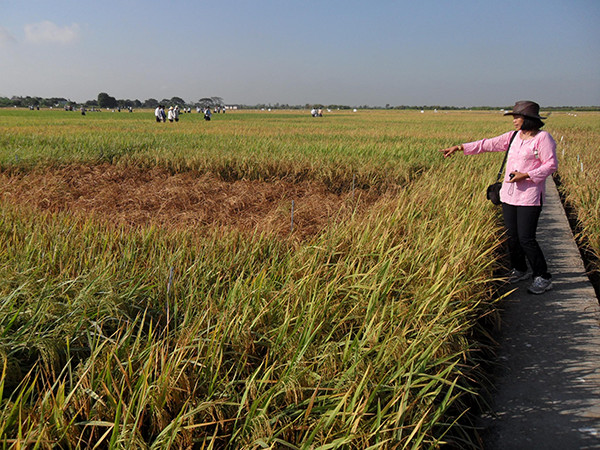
(512, 113)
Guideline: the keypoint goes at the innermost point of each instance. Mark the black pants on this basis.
(521, 224)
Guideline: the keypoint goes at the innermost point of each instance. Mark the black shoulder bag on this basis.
(493, 190)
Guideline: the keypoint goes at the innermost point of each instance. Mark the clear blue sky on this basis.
(405, 52)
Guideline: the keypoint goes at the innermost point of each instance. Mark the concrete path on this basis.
(548, 378)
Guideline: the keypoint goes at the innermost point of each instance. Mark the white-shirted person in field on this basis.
(531, 159)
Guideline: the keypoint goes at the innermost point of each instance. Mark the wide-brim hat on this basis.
(526, 108)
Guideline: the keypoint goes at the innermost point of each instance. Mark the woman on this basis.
(531, 159)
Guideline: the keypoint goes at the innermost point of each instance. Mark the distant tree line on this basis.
(105, 100)
(407, 107)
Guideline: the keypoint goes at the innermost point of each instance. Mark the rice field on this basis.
(263, 280)
(578, 139)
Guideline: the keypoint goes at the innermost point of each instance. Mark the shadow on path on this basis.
(548, 374)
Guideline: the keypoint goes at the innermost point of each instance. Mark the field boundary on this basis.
(591, 261)
(547, 378)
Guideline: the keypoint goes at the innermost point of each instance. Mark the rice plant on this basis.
(360, 335)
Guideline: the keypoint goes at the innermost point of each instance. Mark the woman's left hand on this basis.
(517, 176)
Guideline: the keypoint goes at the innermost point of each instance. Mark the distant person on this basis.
(170, 114)
(176, 114)
(157, 114)
(207, 114)
(531, 159)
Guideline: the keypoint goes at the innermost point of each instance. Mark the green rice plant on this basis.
(373, 149)
(360, 336)
(578, 138)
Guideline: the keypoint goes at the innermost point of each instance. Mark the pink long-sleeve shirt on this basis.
(535, 156)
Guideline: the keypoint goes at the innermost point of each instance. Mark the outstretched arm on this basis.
(450, 150)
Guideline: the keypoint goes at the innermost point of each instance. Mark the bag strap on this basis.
(512, 138)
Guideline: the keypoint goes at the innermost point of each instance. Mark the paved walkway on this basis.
(548, 379)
